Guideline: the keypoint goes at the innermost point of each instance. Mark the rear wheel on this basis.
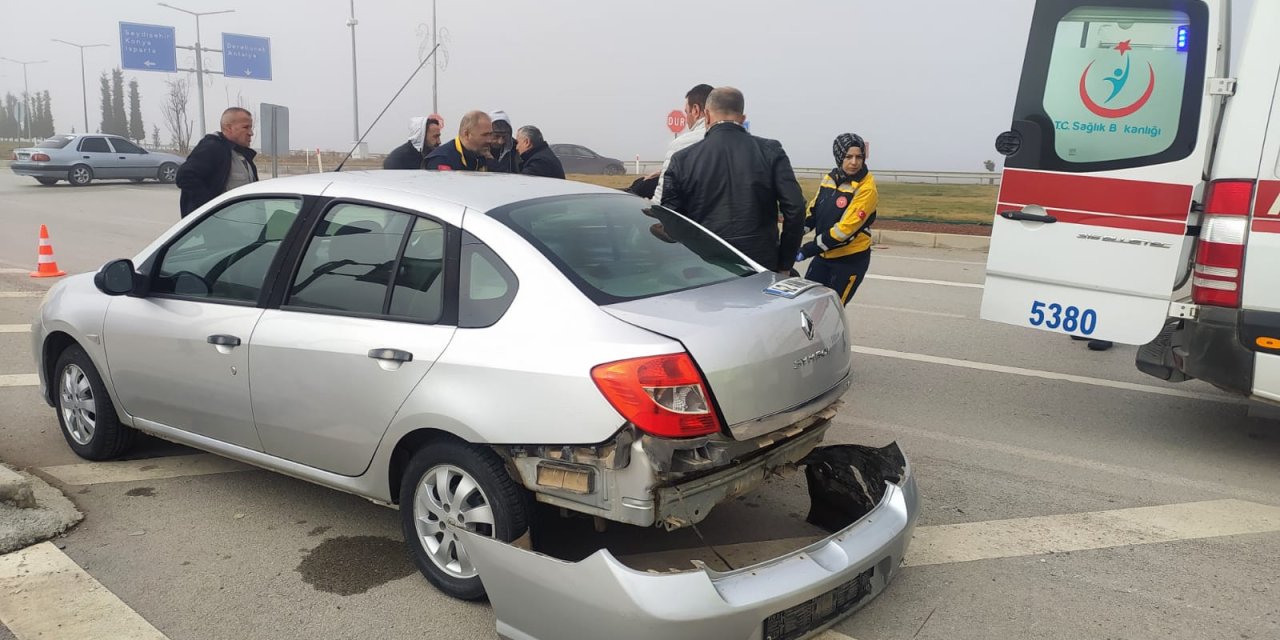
(168, 173)
(85, 412)
(47, 181)
(450, 486)
(80, 175)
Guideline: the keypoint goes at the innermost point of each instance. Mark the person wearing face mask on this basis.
(423, 139)
(840, 216)
(503, 157)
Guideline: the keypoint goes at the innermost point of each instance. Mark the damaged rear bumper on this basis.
(786, 598)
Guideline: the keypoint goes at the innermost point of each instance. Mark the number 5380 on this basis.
(1052, 315)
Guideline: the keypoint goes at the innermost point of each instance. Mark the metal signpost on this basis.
(275, 132)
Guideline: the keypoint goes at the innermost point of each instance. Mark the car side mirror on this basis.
(116, 278)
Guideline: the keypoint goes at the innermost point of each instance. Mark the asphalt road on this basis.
(1065, 494)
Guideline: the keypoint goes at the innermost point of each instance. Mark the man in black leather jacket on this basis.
(735, 185)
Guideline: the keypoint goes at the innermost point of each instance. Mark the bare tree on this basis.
(174, 110)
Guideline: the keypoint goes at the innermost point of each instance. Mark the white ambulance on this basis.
(1139, 196)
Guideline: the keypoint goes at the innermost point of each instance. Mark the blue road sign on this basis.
(246, 57)
(147, 47)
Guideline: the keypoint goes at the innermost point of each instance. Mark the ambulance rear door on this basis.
(1112, 134)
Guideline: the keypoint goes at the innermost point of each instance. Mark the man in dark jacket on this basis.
(735, 185)
(467, 151)
(221, 162)
(423, 139)
(503, 157)
(536, 158)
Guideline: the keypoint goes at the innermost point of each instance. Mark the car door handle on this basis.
(394, 355)
(86, 157)
(123, 158)
(1026, 216)
(220, 340)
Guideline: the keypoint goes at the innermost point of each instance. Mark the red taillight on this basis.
(1229, 198)
(1219, 270)
(39, 157)
(662, 395)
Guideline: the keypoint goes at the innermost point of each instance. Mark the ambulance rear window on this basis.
(1113, 87)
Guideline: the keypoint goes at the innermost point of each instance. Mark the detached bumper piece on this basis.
(868, 493)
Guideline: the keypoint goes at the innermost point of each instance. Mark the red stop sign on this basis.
(675, 121)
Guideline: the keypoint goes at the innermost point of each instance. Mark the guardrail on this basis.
(645, 167)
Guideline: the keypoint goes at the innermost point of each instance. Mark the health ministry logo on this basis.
(1117, 81)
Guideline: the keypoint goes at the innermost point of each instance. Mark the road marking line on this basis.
(831, 634)
(19, 380)
(1031, 536)
(1047, 375)
(879, 255)
(1136, 474)
(15, 328)
(9, 270)
(47, 595)
(943, 283)
(905, 310)
(21, 294)
(952, 543)
(91, 473)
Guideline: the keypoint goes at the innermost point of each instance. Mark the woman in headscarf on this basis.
(840, 216)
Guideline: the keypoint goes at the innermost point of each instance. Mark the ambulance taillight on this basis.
(1219, 269)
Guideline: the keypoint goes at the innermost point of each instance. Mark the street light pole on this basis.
(435, 63)
(26, 91)
(199, 56)
(84, 90)
(355, 87)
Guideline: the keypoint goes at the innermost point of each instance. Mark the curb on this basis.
(15, 489)
(892, 237)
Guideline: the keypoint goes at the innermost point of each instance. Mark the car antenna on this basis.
(384, 109)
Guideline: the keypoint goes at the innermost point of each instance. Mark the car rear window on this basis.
(57, 142)
(617, 248)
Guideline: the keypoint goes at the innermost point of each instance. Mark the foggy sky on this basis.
(930, 83)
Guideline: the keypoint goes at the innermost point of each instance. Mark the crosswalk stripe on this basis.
(90, 473)
(1018, 537)
(21, 294)
(47, 595)
(15, 328)
(940, 283)
(19, 380)
(13, 271)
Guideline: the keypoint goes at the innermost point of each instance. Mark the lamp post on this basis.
(84, 91)
(26, 91)
(199, 56)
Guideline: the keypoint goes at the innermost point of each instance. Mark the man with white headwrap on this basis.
(423, 139)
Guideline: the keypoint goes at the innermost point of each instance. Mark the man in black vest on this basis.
(221, 162)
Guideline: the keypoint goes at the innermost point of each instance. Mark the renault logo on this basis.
(806, 324)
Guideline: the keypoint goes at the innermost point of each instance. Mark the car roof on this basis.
(478, 191)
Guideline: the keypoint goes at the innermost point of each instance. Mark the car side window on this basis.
(94, 145)
(225, 257)
(419, 286)
(124, 146)
(488, 286)
(348, 264)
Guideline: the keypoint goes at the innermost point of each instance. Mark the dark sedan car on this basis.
(579, 159)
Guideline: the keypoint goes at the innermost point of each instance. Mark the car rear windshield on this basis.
(617, 248)
(56, 142)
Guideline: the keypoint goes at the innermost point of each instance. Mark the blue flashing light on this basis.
(1184, 33)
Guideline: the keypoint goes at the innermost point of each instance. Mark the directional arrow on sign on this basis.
(248, 72)
(149, 63)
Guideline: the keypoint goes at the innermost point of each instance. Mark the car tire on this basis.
(614, 170)
(431, 504)
(85, 411)
(168, 173)
(80, 175)
(48, 182)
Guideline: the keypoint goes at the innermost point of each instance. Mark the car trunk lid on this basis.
(765, 345)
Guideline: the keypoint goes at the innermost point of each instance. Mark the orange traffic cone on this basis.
(46, 266)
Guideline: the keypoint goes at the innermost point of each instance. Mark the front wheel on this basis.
(85, 412)
(80, 175)
(168, 173)
(450, 486)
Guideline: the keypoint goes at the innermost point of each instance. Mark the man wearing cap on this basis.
(465, 152)
(502, 151)
(840, 216)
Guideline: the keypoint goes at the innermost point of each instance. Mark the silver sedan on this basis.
(464, 345)
(83, 158)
